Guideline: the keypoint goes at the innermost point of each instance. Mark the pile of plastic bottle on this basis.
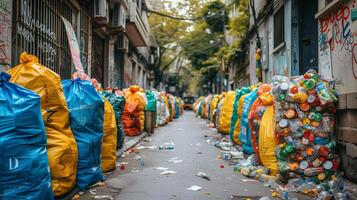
(304, 117)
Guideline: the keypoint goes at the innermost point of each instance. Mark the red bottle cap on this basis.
(304, 106)
(294, 90)
(324, 151)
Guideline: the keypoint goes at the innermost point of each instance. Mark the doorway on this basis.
(308, 36)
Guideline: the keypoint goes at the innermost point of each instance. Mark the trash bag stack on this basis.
(61, 145)
(24, 165)
(304, 116)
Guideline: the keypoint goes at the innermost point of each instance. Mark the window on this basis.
(279, 27)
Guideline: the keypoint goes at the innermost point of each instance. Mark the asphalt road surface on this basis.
(140, 180)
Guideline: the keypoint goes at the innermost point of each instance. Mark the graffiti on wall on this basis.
(5, 34)
(337, 40)
(33, 25)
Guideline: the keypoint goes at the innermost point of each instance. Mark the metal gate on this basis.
(98, 58)
(39, 30)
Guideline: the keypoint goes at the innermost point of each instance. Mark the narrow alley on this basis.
(190, 136)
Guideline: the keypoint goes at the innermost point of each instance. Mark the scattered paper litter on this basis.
(203, 175)
(194, 188)
(175, 160)
(147, 139)
(167, 172)
(103, 197)
(162, 168)
(137, 157)
(146, 147)
(250, 180)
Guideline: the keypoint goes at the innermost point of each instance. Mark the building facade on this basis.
(113, 37)
(298, 35)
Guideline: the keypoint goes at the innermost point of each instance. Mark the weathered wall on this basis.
(5, 34)
(338, 47)
(279, 62)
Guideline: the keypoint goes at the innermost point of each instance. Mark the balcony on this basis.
(137, 26)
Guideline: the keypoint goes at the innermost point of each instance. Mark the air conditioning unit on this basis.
(101, 11)
(117, 17)
(122, 43)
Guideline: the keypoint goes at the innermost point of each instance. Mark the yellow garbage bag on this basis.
(213, 106)
(109, 143)
(226, 112)
(61, 145)
(237, 125)
(267, 141)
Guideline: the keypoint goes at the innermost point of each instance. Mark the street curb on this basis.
(125, 148)
(136, 140)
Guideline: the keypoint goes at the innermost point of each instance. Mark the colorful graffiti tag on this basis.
(338, 37)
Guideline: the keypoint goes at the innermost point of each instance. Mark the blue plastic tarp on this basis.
(245, 132)
(24, 170)
(86, 112)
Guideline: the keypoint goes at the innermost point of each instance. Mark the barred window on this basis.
(83, 38)
(39, 30)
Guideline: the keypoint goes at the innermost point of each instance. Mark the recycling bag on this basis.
(245, 132)
(267, 141)
(236, 130)
(133, 112)
(61, 145)
(226, 112)
(255, 116)
(86, 111)
(213, 106)
(151, 105)
(117, 102)
(24, 169)
(109, 145)
(239, 93)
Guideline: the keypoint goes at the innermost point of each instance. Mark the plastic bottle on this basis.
(323, 93)
(313, 171)
(286, 151)
(336, 184)
(324, 195)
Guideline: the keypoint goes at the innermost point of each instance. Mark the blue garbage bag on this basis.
(86, 113)
(245, 132)
(24, 169)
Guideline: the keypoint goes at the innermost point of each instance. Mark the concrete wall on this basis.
(338, 47)
(274, 62)
(5, 34)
